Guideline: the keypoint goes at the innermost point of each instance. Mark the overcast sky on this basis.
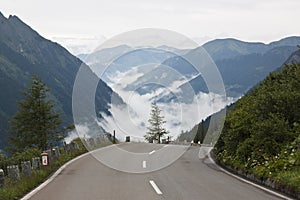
(250, 20)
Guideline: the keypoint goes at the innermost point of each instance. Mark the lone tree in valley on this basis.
(156, 121)
(35, 123)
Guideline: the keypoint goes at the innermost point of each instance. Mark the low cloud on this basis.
(132, 119)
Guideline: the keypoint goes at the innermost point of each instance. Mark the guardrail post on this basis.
(36, 163)
(13, 172)
(26, 168)
(2, 180)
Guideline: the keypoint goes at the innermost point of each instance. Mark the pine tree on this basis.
(156, 121)
(35, 123)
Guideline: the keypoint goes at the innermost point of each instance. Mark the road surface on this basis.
(188, 178)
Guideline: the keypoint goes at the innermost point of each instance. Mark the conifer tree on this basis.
(35, 123)
(156, 121)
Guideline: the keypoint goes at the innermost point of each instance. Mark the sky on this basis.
(202, 20)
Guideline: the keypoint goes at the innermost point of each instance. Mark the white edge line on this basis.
(152, 152)
(249, 182)
(44, 184)
(144, 164)
(157, 190)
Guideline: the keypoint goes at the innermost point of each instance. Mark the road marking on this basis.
(157, 190)
(166, 145)
(249, 182)
(152, 152)
(41, 186)
(144, 163)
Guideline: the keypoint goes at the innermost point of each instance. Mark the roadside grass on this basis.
(290, 178)
(285, 177)
(16, 190)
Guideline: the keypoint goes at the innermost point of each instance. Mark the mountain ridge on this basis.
(198, 133)
(23, 53)
(234, 47)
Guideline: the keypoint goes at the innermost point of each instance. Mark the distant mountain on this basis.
(241, 64)
(23, 53)
(199, 131)
(243, 72)
(294, 58)
(240, 72)
(230, 48)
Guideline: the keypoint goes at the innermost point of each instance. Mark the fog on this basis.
(132, 119)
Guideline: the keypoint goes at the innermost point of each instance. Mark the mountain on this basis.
(156, 74)
(243, 72)
(23, 53)
(240, 72)
(261, 136)
(294, 58)
(199, 131)
(241, 64)
(230, 48)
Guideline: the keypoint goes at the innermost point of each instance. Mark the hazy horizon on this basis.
(252, 21)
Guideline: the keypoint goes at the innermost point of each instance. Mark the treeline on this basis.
(207, 131)
(261, 133)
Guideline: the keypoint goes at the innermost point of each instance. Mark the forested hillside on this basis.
(261, 134)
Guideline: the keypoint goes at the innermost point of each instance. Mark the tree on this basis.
(35, 123)
(156, 121)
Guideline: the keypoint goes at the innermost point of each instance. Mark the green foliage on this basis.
(207, 131)
(51, 62)
(12, 190)
(26, 155)
(3, 162)
(79, 143)
(261, 134)
(35, 124)
(156, 121)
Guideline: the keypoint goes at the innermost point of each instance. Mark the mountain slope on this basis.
(23, 52)
(239, 73)
(261, 133)
(294, 58)
(243, 72)
(230, 48)
(197, 132)
(241, 64)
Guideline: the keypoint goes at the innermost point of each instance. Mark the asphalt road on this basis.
(187, 178)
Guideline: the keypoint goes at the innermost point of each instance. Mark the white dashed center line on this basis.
(157, 190)
(144, 164)
(152, 152)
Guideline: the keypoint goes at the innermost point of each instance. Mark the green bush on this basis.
(3, 162)
(12, 191)
(261, 133)
(26, 155)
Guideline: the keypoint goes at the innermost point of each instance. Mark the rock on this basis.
(2, 180)
(55, 152)
(26, 168)
(13, 172)
(36, 163)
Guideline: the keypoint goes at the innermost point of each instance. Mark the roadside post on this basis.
(114, 139)
(2, 180)
(45, 159)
